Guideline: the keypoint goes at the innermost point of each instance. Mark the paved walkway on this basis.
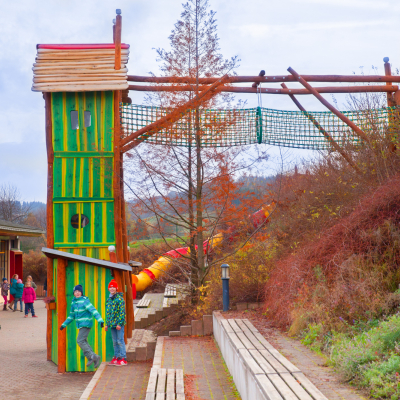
(123, 383)
(206, 376)
(25, 373)
(310, 363)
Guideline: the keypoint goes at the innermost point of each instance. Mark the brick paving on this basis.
(123, 383)
(25, 373)
(311, 364)
(206, 376)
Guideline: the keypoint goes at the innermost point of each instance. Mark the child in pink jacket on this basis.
(29, 297)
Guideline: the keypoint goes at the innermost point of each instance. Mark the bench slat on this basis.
(180, 396)
(246, 342)
(226, 326)
(309, 387)
(256, 343)
(295, 386)
(150, 396)
(234, 325)
(235, 340)
(180, 388)
(284, 361)
(268, 388)
(171, 381)
(262, 362)
(250, 362)
(151, 386)
(162, 375)
(276, 365)
(250, 325)
(281, 387)
(160, 396)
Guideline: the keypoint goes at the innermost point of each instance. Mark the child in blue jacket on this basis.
(82, 311)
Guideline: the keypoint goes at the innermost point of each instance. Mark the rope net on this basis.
(237, 127)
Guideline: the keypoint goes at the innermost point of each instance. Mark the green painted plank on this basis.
(83, 154)
(96, 177)
(67, 245)
(57, 122)
(108, 120)
(69, 178)
(71, 105)
(108, 177)
(58, 223)
(57, 177)
(86, 230)
(110, 222)
(71, 328)
(82, 200)
(89, 100)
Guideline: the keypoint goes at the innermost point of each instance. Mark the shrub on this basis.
(35, 264)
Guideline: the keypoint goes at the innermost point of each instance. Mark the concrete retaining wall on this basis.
(244, 380)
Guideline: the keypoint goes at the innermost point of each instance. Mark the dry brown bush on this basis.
(35, 264)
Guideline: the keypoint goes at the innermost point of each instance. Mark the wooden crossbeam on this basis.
(236, 89)
(164, 123)
(266, 78)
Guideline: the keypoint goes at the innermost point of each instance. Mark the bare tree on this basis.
(11, 207)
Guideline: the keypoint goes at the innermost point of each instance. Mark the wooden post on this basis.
(62, 314)
(49, 216)
(388, 72)
(346, 120)
(324, 132)
(117, 39)
(113, 30)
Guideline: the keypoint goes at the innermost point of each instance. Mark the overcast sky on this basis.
(312, 36)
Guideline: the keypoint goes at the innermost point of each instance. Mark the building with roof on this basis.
(10, 253)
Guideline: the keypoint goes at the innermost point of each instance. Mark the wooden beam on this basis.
(62, 314)
(117, 39)
(168, 120)
(346, 120)
(130, 315)
(325, 133)
(117, 178)
(270, 78)
(240, 89)
(49, 216)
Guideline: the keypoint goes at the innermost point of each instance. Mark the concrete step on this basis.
(203, 327)
(141, 346)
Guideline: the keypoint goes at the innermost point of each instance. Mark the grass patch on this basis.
(367, 354)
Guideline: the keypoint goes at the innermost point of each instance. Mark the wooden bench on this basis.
(170, 291)
(143, 303)
(165, 384)
(276, 377)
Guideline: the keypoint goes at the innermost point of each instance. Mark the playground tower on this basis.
(82, 87)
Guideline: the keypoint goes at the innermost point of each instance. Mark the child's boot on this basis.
(97, 361)
(5, 307)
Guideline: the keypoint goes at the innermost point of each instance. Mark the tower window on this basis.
(74, 120)
(87, 118)
(84, 220)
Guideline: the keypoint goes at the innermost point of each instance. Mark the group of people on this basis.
(83, 312)
(19, 292)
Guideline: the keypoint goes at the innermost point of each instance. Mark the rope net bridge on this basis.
(237, 127)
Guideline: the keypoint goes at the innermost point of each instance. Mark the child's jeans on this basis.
(16, 300)
(83, 343)
(29, 306)
(118, 342)
(5, 300)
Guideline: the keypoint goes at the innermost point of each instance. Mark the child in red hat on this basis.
(115, 319)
